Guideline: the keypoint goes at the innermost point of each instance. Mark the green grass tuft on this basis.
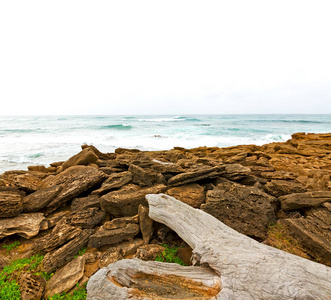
(11, 246)
(169, 255)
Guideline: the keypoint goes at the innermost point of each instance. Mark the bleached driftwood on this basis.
(234, 266)
(137, 279)
(248, 269)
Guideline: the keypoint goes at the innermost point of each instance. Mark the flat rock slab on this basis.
(314, 233)
(26, 182)
(87, 218)
(244, 208)
(10, 203)
(61, 233)
(192, 194)
(105, 236)
(126, 202)
(24, 225)
(75, 180)
(114, 181)
(65, 278)
(301, 200)
(278, 188)
(61, 256)
(40, 198)
(136, 279)
(196, 175)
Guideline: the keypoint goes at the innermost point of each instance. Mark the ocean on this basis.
(36, 140)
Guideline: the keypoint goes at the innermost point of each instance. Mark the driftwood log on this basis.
(245, 268)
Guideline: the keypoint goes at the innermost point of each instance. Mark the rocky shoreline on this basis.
(278, 194)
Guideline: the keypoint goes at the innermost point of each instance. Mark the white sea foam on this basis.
(36, 140)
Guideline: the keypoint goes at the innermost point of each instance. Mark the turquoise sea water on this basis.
(32, 140)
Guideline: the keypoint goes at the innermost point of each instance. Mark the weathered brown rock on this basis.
(40, 198)
(110, 256)
(235, 172)
(10, 203)
(60, 234)
(279, 188)
(114, 181)
(185, 254)
(65, 278)
(126, 202)
(55, 217)
(142, 177)
(313, 233)
(75, 180)
(244, 208)
(85, 202)
(149, 252)
(26, 181)
(66, 253)
(87, 218)
(191, 194)
(84, 157)
(194, 176)
(301, 200)
(31, 286)
(24, 225)
(120, 222)
(105, 236)
(98, 153)
(145, 223)
(279, 175)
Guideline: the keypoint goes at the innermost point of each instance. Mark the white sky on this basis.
(165, 57)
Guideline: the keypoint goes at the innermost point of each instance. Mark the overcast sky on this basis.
(165, 57)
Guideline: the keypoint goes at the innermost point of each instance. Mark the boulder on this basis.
(65, 278)
(104, 236)
(31, 286)
(302, 200)
(204, 172)
(10, 203)
(244, 208)
(40, 198)
(279, 188)
(192, 194)
(125, 202)
(24, 225)
(98, 153)
(145, 223)
(66, 253)
(121, 222)
(114, 181)
(84, 157)
(75, 180)
(313, 233)
(87, 218)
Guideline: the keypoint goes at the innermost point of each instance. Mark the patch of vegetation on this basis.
(11, 246)
(169, 255)
(81, 252)
(9, 288)
(78, 294)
